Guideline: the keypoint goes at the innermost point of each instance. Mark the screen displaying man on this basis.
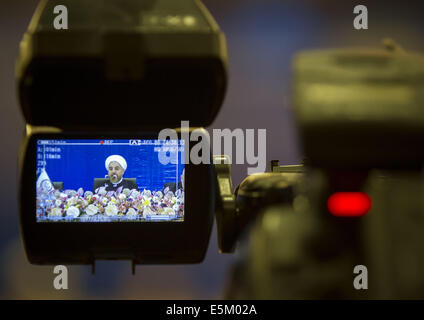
(129, 190)
(115, 166)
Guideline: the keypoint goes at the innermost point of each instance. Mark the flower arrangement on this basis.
(104, 206)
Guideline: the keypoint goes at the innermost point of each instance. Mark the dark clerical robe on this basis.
(124, 183)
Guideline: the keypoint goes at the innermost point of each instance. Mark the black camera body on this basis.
(360, 108)
(159, 61)
(142, 242)
(122, 72)
(360, 120)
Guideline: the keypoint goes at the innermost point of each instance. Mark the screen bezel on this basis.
(143, 242)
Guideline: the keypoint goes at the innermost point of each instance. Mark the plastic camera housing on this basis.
(351, 102)
(152, 62)
(142, 242)
(124, 69)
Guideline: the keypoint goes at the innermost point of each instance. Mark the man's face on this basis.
(115, 172)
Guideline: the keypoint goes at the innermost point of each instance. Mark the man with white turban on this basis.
(116, 166)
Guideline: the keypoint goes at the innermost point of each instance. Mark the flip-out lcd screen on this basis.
(129, 180)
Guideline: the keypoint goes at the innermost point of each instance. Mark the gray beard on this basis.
(116, 183)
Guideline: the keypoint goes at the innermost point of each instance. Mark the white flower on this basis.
(131, 212)
(72, 193)
(111, 210)
(122, 196)
(176, 207)
(159, 194)
(126, 191)
(168, 211)
(91, 210)
(63, 195)
(147, 212)
(146, 202)
(102, 191)
(72, 201)
(73, 212)
(56, 212)
(147, 193)
(104, 201)
(58, 203)
(88, 193)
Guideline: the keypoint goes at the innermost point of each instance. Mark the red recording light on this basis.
(349, 204)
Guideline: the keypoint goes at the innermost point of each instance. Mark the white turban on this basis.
(116, 158)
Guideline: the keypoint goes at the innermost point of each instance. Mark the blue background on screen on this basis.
(80, 164)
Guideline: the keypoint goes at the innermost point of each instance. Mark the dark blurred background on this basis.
(262, 36)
